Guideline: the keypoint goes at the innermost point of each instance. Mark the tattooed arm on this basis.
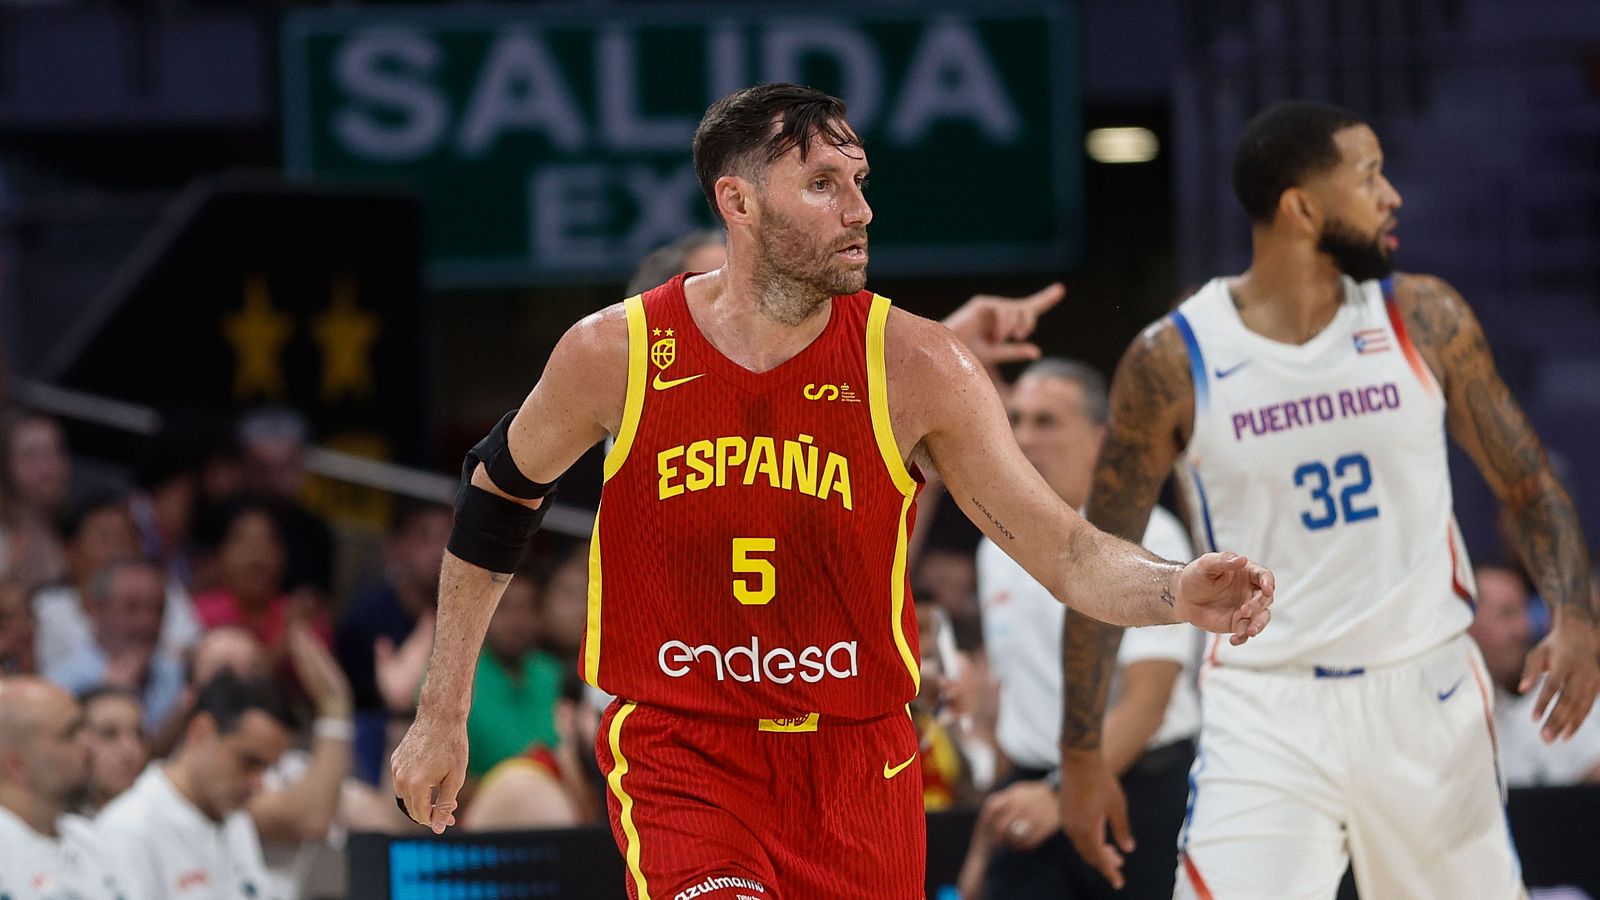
(1152, 409)
(1152, 412)
(1486, 421)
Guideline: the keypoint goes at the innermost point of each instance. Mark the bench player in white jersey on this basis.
(1304, 405)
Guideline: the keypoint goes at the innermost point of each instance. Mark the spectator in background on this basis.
(697, 251)
(546, 786)
(945, 588)
(224, 648)
(164, 505)
(117, 751)
(298, 809)
(249, 568)
(222, 473)
(227, 648)
(184, 821)
(221, 489)
(275, 442)
(96, 530)
(946, 577)
(303, 789)
(99, 530)
(564, 603)
(1501, 626)
(45, 850)
(1058, 410)
(391, 609)
(946, 777)
(306, 799)
(16, 630)
(35, 484)
(515, 691)
(125, 604)
(387, 614)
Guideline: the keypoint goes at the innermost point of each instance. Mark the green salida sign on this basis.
(552, 143)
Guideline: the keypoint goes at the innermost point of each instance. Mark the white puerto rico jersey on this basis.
(1326, 462)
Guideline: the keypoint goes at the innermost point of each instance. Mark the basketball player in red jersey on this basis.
(749, 604)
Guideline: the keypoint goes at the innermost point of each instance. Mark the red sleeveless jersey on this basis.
(749, 554)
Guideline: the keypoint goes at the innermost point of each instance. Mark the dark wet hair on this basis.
(737, 131)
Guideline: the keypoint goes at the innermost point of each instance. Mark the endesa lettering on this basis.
(778, 665)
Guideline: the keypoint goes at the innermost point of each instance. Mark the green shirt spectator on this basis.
(517, 686)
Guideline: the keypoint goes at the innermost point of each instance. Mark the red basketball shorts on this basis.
(764, 810)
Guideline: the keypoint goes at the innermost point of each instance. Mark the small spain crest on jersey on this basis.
(663, 352)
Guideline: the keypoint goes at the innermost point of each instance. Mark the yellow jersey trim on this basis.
(633, 405)
(878, 398)
(897, 595)
(889, 449)
(807, 722)
(614, 781)
(591, 632)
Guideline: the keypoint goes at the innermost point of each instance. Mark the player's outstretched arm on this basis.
(1490, 426)
(576, 401)
(946, 407)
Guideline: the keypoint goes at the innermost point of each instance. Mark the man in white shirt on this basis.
(182, 831)
(98, 531)
(1503, 632)
(1058, 411)
(45, 852)
(125, 603)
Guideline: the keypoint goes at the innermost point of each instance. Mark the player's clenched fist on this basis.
(428, 768)
(1225, 593)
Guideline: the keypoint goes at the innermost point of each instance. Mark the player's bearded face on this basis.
(799, 253)
(1361, 256)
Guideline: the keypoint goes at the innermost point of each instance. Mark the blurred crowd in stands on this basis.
(176, 612)
(185, 693)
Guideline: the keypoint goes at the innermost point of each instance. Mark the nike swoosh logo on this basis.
(1445, 695)
(1224, 373)
(891, 771)
(660, 385)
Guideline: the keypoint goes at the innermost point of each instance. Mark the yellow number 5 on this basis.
(754, 591)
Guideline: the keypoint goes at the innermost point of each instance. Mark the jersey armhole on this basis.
(633, 406)
(878, 399)
(1397, 324)
(1200, 385)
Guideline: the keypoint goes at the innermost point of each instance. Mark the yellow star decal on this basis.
(656, 333)
(257, 333)
(669, 332)
(345, 333)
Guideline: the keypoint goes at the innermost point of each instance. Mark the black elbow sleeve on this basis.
(489, 531)
(494, 451)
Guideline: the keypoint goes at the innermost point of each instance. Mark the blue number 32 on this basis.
(1328, 513)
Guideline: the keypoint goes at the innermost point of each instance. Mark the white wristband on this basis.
(334, 729)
